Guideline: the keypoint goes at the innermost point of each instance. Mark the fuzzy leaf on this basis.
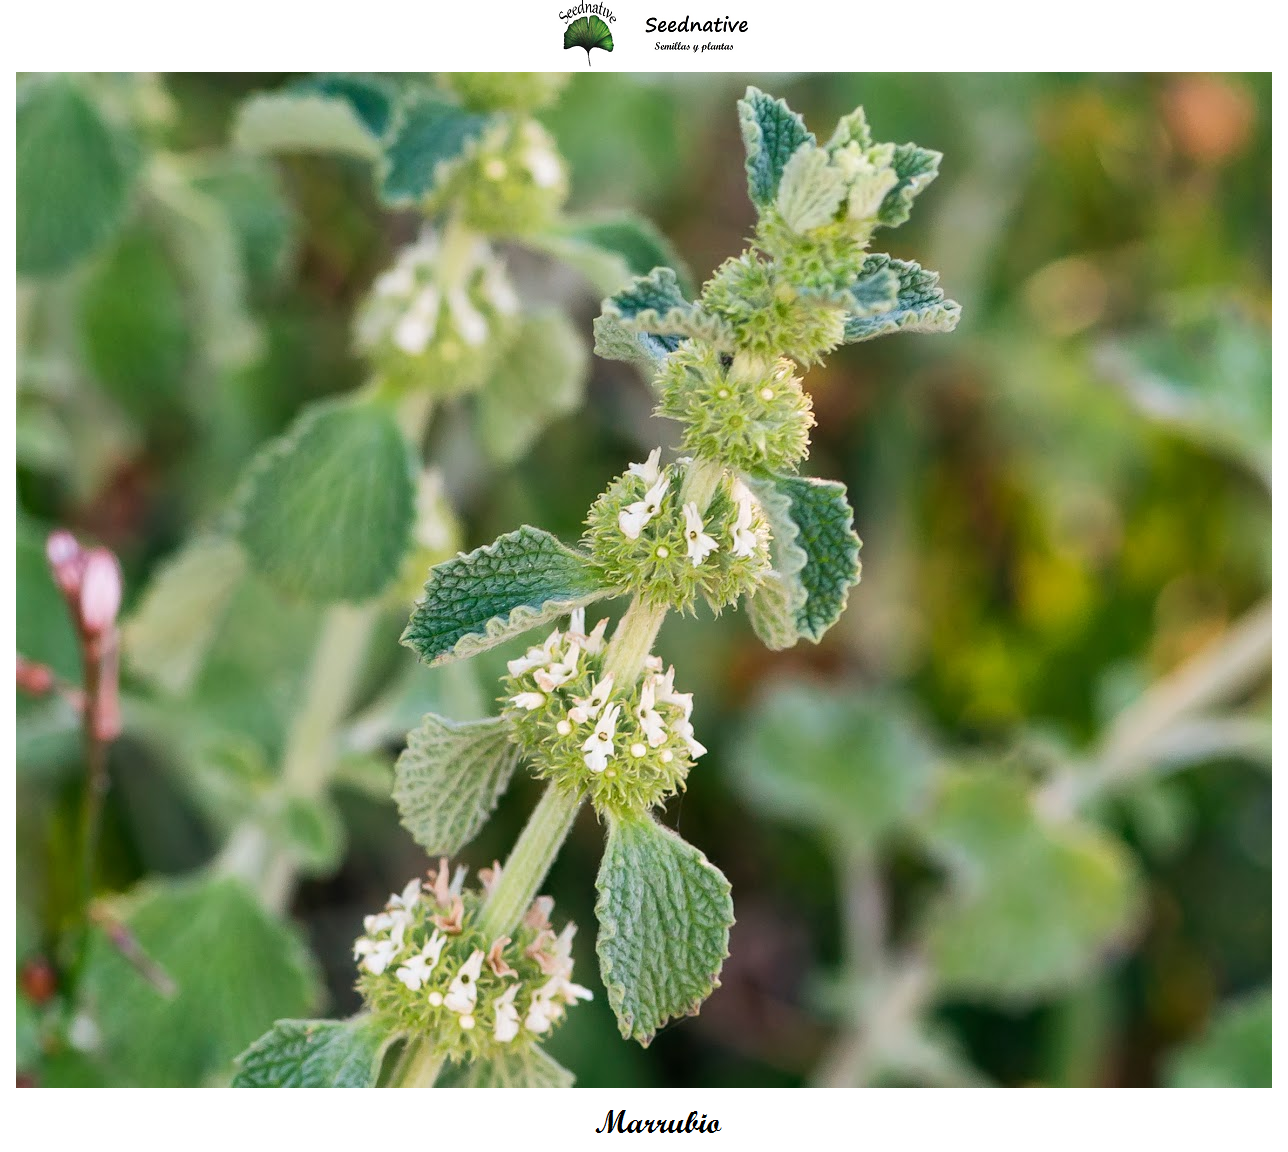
(610, 250)
(1233, 1052)
(588, 32)
(449, 778)
(74, 173)
(919, 304)
(1033, 905)
(664, 916)
(431, 134)
(815, 558)
(810, 191)
(655, 304)
(916, 167)
(166, 638)
(315, 1054)
(263, 219)
(326, 511)
(771, 132)
(312, 831)
(303, 121)
(480, 599)
(530, 1067)
(545, 379)
(615, 341)
(371, 98)
(210, 935)
(849, 762)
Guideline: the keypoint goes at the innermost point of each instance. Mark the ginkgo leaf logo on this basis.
(588, 32)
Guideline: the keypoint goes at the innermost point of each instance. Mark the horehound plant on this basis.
(338, 520)
(446, 968)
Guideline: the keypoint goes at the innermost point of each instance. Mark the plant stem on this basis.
(525, 871)
(633, 641)
(419, 1067)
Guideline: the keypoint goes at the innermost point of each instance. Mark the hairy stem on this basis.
(419, 1067)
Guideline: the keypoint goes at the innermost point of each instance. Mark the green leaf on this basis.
(610, 250)
(815, 558)
(235, 971)
(325, 511)
(810, 190)
(166, 638)
(664, 916)
(530, 1067)
(588, 32)
(134, 326)
(449, 777)
(1033, 905)
(371, 98)
(654, 304)
(916, 167)
(1233, 1052)
(919, 305)
(302, 122)
(431, 135)
(315, 1054)
(262, 217)
(311, 830)
(771, 132)
(74, 173)
(478, 600)
(849, 762)
(543, 380)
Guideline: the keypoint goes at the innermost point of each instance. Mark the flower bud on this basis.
(100, 591)
(66, 561)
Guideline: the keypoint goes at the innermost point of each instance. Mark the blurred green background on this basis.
(1059, 503)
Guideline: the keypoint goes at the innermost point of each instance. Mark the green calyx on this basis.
(515, 181)
(650, 542)
(747, 414)
(626, 746)
(427, 326)
(426, 969)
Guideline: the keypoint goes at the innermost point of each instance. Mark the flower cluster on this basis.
(628, 746)
(746, 419)
(652, 542)
(512, 91)
(422, 333)
(514, 181)
(423, 965)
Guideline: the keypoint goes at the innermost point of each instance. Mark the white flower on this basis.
(463, 992)
(544, 166)
(700, 544)
(684, 730)
(548, 679)
(498, 289)
(648, 471)
(469, 321)
(744, 539)
(416, 328)
(528, 701)
(506, 1027)
(588, 707)
(415, 971)
(652, 724)
(533, 658)
(577, 622)
(664, 693)
(633, 517)
(409, 897)
(376, 954)
(541, 1014)
(599, 745)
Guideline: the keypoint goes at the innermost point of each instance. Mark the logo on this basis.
(590, 28)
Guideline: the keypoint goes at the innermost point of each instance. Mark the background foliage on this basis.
(1060, 503)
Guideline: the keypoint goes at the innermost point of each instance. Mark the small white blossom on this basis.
(469, 321)
(684, 730)
(463, 992)
(588, 707)
(700, 544)
(541, 1014)
(664, 693)
(533, 658)
(528, 701)
(599, 745)
(415, 971)
(633, 517)
(648, 471)
(506, 1027)
(650, 721)
(376, 954)
(744, 539)
(548, 679)
(544, 166)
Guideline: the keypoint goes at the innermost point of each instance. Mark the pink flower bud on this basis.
(66, 561)
(100, 591)
(34, 679)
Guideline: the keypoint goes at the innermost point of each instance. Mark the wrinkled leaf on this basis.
(326, 511)
(166, 637)
(655, 305)
(919, 304)
(74, 173)
(315, 1054)
(303, 122)
(371, 98)
(664, 916)
(771, 132)
(448, 779)
(262, 217)
(610, 250)
(542, 380)
(209, 935)
(480, 599)
(916, 168)
(429, 137)
(840, 758)
(530, 1067)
